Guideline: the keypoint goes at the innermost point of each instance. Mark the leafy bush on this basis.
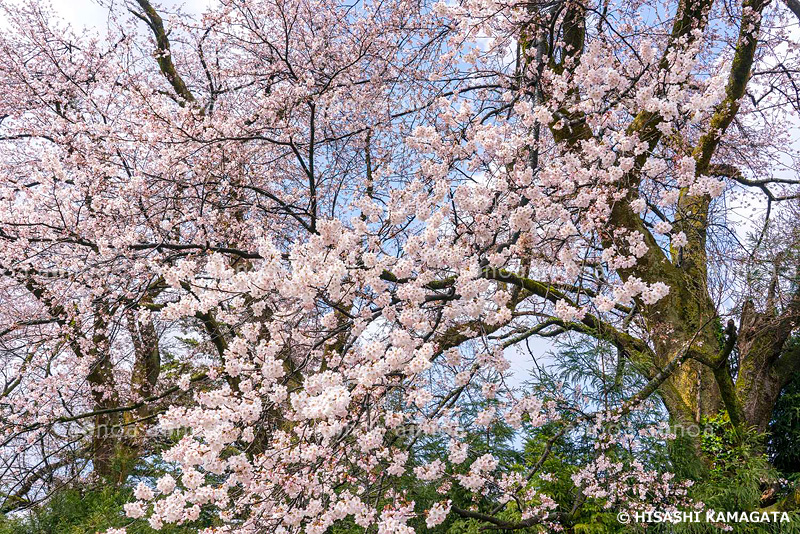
(85, 511)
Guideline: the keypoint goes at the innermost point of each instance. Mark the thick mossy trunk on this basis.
(767, 361)
(767, 358)
(687, 320)
(739, 371)
(119, 432)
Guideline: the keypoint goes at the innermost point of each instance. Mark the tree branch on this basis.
(151, 17)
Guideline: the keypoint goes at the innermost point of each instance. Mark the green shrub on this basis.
(78, 510)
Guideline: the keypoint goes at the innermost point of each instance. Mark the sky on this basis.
(90, 14)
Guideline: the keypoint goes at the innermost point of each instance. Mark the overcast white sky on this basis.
(88, 13)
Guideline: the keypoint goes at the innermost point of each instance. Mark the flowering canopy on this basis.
(302, 230)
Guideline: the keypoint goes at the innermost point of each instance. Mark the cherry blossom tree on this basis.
(301, 232)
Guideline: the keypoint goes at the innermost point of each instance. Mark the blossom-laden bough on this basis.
(301, 232)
